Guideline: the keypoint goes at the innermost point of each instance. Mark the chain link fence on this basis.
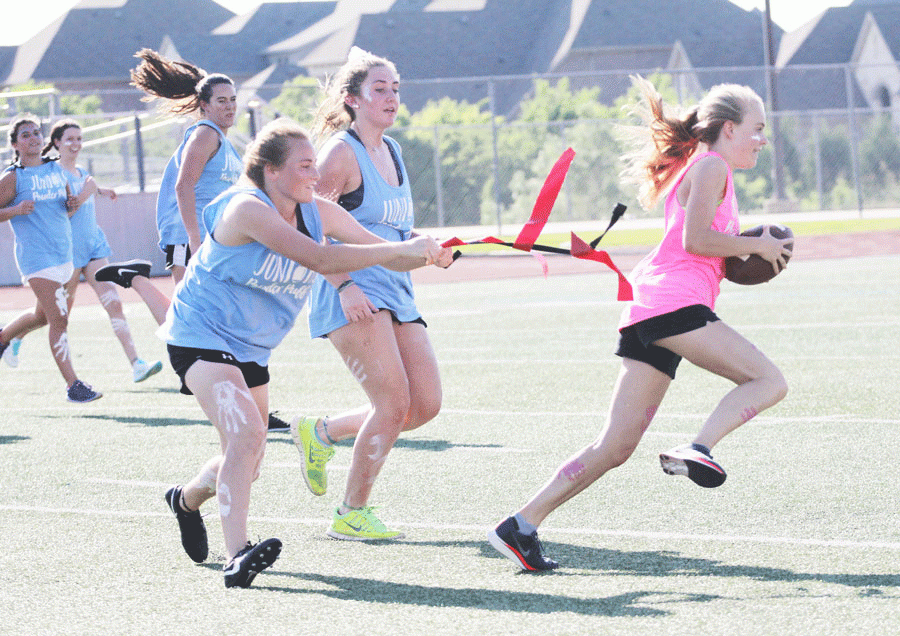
(833, 143)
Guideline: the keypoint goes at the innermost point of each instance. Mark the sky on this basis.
(22, 19)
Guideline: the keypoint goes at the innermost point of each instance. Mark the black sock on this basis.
(703, 449)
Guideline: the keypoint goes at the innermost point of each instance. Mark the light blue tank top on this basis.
(388, 212)
(44, 237)
(220, 173)
(242, 299)
(88, 240)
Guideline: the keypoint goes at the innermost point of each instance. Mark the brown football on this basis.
(754, 269)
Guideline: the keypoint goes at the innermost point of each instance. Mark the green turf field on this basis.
(803, 538)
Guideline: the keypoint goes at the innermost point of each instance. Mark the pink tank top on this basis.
(669, 277)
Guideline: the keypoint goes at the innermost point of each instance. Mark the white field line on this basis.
(480, 529)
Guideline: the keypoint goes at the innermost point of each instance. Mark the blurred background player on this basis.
(90, 248)
(35, 199)
(204, 165)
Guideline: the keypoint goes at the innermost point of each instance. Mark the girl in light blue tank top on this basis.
(370, 315)
(88, 240)
(205, 163)
(44, 237)
(387, 211)
(238, 299)
(241, 299)
(89, 245)
(219, 173)
(35, 199)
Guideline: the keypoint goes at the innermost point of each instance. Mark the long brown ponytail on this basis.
(664, 145)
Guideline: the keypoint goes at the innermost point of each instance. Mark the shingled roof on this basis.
(713, 32)
(831, 38)
(73, 47)
(438, 45)
(833, 35)
(270, 23)
(524, 37)
(501, 39)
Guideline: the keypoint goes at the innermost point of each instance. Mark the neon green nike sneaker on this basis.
(315, 454)
(360, 525)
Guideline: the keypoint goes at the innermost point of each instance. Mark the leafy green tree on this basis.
(834, 157)
(40, 105)
(454, 138)
(552, 119)
(298, 99)
(880, 154)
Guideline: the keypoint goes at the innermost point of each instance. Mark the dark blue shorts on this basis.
(183, 357)
(636, 341)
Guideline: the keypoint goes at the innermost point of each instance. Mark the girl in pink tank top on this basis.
(675, 290)
(670, 277)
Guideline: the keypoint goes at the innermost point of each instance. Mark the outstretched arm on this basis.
(248, 219)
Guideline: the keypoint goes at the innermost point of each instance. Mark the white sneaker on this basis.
(694, 464)
(11, 353)
(143, 370)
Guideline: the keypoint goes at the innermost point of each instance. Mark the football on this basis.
(754, 269)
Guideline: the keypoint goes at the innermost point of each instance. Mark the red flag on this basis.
(582, 250)
(544, 203)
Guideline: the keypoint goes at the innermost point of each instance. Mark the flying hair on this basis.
(185, 85)
(663, 145)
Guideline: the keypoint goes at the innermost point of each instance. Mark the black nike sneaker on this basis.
(193, 530)
(250, 561)
(525, 550)
(123, 273)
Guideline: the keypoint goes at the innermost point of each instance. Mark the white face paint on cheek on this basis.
(367, 93)
(224, 496)
(756, 138)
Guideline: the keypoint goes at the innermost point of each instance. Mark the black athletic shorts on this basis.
(416, 321)
(177, 255)
(636, 341)
(183, 357)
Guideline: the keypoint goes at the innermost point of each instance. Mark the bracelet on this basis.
(347, 283)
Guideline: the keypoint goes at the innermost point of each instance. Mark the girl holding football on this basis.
(693, 157)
